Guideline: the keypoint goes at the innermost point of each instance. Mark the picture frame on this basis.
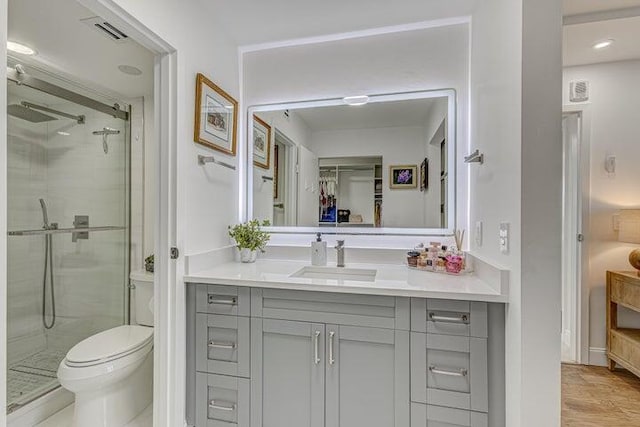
(216, 117)
(403, 176)
(424, 175)
(261, 143)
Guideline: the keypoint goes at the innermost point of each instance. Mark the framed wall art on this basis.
(261, 143)
(216, 117)
(403, 176)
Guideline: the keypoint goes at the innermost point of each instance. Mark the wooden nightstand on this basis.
(623, 344)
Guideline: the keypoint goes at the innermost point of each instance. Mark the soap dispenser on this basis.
(319, 251)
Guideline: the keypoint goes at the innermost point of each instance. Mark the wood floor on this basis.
(595, 397)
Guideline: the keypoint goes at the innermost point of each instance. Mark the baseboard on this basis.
(598, 356)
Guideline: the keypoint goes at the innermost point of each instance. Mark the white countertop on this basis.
(394, 280)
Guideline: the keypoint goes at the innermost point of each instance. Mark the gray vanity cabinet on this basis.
(367, 375)
(287, 364)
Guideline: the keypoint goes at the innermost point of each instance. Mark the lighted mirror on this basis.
(381, 164)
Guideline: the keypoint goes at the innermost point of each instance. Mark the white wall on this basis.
(370, 65)
(515, 122)
(396, 146)
(614, 111)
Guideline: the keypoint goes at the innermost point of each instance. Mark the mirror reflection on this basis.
(385, 164)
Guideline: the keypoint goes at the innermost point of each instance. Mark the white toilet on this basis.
(111, 373)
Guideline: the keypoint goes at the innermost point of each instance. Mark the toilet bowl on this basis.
(111, 373)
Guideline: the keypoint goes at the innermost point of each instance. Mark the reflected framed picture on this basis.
(424, 175)
(216, 117)
(403, 176)
(261, 143)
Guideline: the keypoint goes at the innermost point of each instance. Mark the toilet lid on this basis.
(110, 344)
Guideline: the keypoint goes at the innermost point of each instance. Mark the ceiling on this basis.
(64, 43)
(257, 21)
(578, 39)
(374, 115)
(576, 7)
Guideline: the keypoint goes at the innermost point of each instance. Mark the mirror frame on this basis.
(450, 94)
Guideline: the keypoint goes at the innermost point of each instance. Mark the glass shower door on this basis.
(68, 244)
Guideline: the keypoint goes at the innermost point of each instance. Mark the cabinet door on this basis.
(287, 370)
(367, 374)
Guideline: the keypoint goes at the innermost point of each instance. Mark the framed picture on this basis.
(403, 176)
(261, 143)
(216, 117)
(424, 174)
(275, 171)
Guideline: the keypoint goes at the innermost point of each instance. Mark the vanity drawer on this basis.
(222, 401)
(222, 344)
(218, 299)
(450, 371)
(437, 416)
(324, 307)
(449, 317)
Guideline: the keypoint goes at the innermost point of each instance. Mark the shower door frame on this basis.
(169, 354)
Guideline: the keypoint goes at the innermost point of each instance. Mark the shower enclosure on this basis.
(68, 220)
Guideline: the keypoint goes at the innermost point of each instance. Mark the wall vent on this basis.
(106, 28)
(579, 91)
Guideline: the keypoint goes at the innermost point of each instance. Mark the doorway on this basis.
(285, 185)
(574, 336)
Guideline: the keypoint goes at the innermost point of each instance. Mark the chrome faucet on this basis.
(340, 253)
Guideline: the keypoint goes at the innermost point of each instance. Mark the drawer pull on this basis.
(213, 299)
(222, 406)
(463, 318)
(438, 371)
(226, 345)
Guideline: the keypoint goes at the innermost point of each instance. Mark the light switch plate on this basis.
(478, 233)
(504, 237)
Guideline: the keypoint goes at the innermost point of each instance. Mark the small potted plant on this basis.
(250, 238)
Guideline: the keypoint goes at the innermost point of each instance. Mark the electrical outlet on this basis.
(478, 233)
(504, 237)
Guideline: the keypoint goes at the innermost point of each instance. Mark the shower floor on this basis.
(32, 377)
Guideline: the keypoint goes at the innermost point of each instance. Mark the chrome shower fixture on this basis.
(105, 132)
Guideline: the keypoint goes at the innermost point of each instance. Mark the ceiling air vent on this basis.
(579, 91)
(105, 28)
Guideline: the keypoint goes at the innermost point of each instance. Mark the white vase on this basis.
(247, 255)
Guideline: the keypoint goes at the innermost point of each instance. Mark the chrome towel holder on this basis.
(203, 160)
(475, 157)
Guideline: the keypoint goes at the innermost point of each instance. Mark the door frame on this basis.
(291, 176)
(168, 382)
(580, 293)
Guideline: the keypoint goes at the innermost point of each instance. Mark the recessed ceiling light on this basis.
(130, 69)
(63, 133)
(20, 48)
(603, 44)
(356, 100)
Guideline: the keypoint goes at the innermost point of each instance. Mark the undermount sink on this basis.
(334, 273)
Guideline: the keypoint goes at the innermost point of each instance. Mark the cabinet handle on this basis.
(225, 301)
(463, 318)
(227, 345)
(316, 347)
(438, 371)
(332, 360)
(222, 406)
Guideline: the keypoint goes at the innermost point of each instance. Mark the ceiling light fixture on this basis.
(356, 100)
(603, 44)
(20, 48)
(130, 70)
(63, 133)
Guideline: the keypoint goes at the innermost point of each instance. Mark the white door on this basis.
(571, 236)
(308, 182)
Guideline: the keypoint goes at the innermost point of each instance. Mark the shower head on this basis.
(25, 113)
(45, 216)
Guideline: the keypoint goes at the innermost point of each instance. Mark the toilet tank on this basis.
(142, 298)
